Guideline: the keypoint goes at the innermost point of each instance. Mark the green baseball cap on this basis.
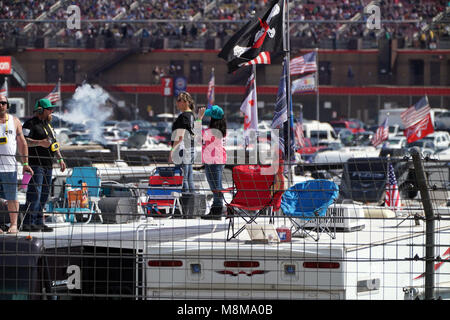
(44, 104)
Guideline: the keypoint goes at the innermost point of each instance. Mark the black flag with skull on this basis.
(262, 33)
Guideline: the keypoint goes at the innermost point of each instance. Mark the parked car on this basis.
(397, 142)
(308, 151)
(353, 126)
(440, 139)
(426, 147)
(364, 179)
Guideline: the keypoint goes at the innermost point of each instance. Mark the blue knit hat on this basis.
(214, 112)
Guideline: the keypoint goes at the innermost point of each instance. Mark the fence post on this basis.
(429, 220)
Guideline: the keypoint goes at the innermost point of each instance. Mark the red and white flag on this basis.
(392, 199)
(55, 95)
(417, 120)
(249, 107)
(299, 136)
(262, 58)
(211, 88)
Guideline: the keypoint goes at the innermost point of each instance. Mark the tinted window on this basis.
(367, 170)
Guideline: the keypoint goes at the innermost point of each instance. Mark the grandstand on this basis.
(186, 22)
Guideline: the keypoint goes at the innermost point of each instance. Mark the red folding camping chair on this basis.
(254, 192)
(164, 191)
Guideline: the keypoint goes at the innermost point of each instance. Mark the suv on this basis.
(440, 139)
(442, 121)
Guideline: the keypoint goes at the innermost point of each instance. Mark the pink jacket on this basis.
(213, 149)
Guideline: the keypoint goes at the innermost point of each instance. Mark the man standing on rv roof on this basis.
(11, 137)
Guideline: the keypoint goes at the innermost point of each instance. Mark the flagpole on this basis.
(60, 101)
(317, 84)
(7, 87)
(256, 103)
(287, 49)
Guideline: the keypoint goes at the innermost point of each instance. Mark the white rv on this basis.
(319, 131)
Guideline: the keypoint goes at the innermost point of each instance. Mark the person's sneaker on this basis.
(44, 228)
(30, 228)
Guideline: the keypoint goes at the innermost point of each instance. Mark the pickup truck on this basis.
(308, 151)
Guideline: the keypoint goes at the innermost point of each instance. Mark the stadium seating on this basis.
(321, 35)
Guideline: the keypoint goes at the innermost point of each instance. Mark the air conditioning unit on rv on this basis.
(345, 217)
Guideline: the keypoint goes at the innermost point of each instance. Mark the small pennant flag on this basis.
(211, 87)
(304, 84)
(392, 199)
(381, 134)
(299, 131)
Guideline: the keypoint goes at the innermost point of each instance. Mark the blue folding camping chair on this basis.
(306, 204)
(90, 177)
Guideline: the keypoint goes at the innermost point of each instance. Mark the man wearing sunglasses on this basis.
(11, 139)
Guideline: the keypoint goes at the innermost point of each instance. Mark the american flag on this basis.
(280, 119)
(382, 133)
(4, 89)
(303, 64)
(416, 113)
(211, 87)
(262, 58)
(299, 131)
(392, 199)
(55, 95)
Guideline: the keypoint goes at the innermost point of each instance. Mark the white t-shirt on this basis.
(8, 150)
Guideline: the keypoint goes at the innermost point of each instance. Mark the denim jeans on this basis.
(37, 195)
(214, 176)
(188, 173)
(188, 178)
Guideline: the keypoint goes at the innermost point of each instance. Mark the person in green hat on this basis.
(42, 150)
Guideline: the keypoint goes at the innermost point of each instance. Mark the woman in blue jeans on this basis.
(182, 152)
(214, 156)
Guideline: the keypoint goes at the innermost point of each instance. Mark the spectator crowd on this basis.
(226, 17)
